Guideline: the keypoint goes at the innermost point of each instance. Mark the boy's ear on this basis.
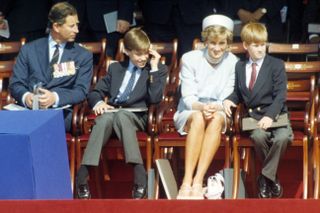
(125, 51)
(245, 45)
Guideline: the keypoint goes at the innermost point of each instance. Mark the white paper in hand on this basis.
(5, 33)
(110, 20)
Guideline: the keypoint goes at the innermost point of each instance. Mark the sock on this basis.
(82, 175)
(140, 176)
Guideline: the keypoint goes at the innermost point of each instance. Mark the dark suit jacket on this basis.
(92, 11)
(26, 16)
(272, 18)
(192, 12)
(269, 92)
(148, 90)
(32, 66)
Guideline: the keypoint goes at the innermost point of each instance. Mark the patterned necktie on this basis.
(126, 93)
(253, 76)
(55, 56)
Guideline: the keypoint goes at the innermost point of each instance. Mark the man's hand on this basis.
(101, 108)
(155, 58)
(245, 16)
(29, 100)
(3, 25)
(122, 26)
(227, 104)
(257, 15)
(46, 99)
(265, 122)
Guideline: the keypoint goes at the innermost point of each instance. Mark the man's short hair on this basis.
(254, 32)
(59, 12)
(136, 39)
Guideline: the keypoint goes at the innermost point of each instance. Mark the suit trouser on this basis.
(124, 124)
(270, 146)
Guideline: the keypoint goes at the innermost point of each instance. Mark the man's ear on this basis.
(55, 27)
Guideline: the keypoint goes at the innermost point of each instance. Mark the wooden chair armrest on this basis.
(151, 119)
(75, 117)
(163, 108)
(237, 118)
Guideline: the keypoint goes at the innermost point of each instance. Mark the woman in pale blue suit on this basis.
(207, 78)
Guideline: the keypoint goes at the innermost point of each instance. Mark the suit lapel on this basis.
(141, 83)
(43, 59)
(242, 80)
(68, 53)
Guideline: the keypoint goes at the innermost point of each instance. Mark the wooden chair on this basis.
(114, 147)
(10, 49)
(287, 51)
(301, 103)
(316, 147)
(98, 50)
(6, 69)
(8, 52)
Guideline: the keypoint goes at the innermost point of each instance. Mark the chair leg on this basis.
(317, 168)
(305, 167)
(236, 168)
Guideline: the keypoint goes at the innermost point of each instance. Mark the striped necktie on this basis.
(126, 93)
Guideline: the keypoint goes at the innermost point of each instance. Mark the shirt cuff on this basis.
(23, 100)
(56, 104)
(96, 104)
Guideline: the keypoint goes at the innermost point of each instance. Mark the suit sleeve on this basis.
(101, 90)
(125, 10)
(273, 7)
(279, 92)
(19, 79)
(80, 88)
(157, 84)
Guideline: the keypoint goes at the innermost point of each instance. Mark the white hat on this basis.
(220, 20)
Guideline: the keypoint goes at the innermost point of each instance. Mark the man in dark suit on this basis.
(261, 84)
(136, 85)
(264, 11)
(61, 68)
(26, 19)
(169, 19)
(92, 25)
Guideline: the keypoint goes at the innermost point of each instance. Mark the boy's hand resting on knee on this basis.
(101, 107)
(265, 122)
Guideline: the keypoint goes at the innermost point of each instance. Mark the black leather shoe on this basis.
(83, 191)
(264, 189)
(276, 189)
(139, 192)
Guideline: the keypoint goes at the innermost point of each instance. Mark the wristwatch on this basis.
(264, 10)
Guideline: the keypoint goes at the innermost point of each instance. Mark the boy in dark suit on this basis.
(261, 84)
(135, 84)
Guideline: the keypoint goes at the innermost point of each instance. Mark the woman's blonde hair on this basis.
(254, 32)
(215, 32)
